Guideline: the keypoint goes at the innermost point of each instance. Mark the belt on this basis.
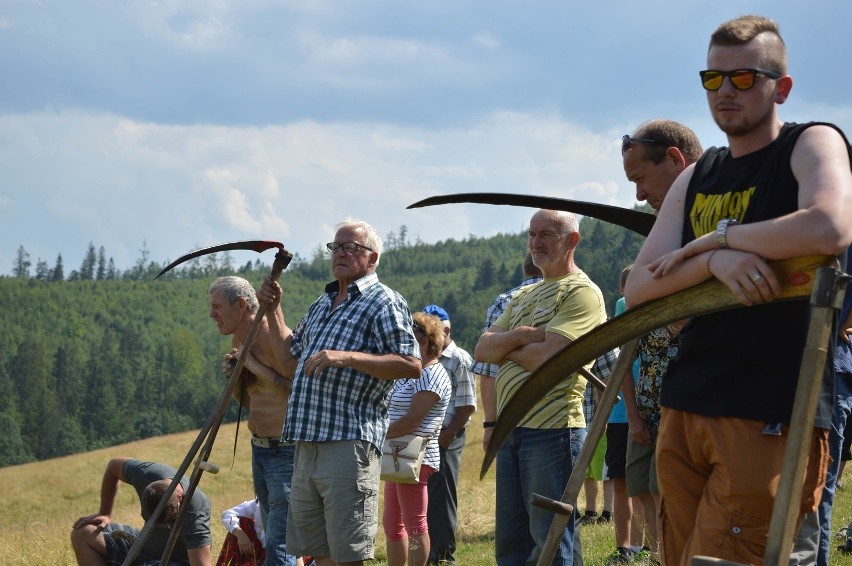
(268, 441)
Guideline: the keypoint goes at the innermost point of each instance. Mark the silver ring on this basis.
(756, 277)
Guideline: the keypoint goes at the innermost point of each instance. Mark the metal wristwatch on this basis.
(722, 231)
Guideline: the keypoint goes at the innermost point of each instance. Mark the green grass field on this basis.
(40, 501)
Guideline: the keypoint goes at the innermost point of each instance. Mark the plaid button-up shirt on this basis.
(342, 403)
(602, 369)
(458, 364)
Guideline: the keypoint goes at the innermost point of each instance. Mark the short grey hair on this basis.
(567, 221)
(371, 238)
(233, 288)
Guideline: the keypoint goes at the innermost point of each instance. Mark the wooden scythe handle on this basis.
(710, 561)
(205, 439)
(785, 510)
(587, 452)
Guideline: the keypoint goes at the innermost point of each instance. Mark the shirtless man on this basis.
(264, 391)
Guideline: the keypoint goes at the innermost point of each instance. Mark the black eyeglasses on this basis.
(741, 79)
(626, 140)
(348, 247)
(418, 328)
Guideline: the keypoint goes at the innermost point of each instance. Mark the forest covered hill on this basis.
(104, 357)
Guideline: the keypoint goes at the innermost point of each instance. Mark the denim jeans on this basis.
(578, 438)
(531, 461)
(272, 471)
(842, 409)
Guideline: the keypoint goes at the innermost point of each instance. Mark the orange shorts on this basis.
(718, 479)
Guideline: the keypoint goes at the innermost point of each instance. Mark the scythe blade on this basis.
(250, 245)
(635, 220)
(796, 277)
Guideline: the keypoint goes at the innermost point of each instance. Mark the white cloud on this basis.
(193, 24)
(486, 41)
(177, 187)
(187, 122)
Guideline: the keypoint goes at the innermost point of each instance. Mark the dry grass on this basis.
(40, 501)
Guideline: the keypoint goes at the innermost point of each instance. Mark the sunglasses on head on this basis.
(741, 79)
(626, 140)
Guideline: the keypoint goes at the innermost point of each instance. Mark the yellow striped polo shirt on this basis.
(571, 306)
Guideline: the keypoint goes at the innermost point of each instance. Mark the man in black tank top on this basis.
(777, 191)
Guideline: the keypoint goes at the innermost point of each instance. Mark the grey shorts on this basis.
(118, 539)
(334, 500)
(641, 471)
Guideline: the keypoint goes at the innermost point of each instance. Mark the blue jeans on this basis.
(842, 409)
(272, 471)
(531, 461)
(578, 438)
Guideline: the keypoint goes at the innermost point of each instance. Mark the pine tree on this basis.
(21, 267)
(42, 272)
(101, 273)
(58, 272)
(39, 406)
(111, 272)
(87, 268)
(485, 276)
(13, 449)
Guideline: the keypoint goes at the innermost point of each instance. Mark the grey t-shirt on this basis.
(195, 532)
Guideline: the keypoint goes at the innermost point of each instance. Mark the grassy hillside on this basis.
(90, 363)
(41, 500)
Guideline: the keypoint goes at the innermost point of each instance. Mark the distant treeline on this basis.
(102, 357)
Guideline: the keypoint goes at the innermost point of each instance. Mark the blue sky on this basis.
(184, 123)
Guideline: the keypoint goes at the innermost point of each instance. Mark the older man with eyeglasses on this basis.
(778, 191)
(343, 356)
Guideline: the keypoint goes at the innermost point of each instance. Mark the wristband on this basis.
(488, 424)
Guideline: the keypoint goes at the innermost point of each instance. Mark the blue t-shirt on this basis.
(618, 415)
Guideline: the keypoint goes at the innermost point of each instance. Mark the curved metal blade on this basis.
(635, 220)
(796, 277)
(250, 245)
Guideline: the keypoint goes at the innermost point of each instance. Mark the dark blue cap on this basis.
(437, 311)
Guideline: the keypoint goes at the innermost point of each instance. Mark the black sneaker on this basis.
(605, 517)
(588, 518)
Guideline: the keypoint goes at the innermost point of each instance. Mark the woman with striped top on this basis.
(416, 406)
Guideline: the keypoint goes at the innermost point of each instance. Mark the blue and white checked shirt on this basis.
(601, 369)
(342, 403)
(458, 364)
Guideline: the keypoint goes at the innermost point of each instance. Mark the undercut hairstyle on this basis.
(371, 238)
(745, 29)
(433, 328)
(669, 132)
(151, 498)
(233, 288)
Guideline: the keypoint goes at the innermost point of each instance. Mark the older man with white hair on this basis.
(343, 356)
